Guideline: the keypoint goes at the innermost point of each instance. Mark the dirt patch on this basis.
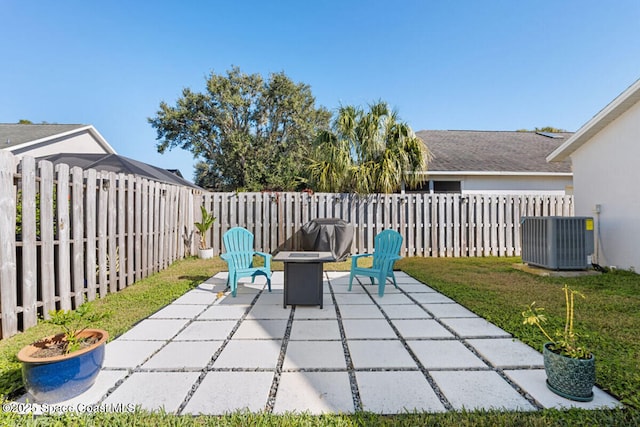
(58, 347)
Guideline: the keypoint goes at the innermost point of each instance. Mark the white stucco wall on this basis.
(516, 184)
(83, 142)
(606, 172)
(508, 184)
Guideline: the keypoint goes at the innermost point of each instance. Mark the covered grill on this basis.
(328, 235)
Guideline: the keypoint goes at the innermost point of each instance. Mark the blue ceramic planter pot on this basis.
(56, 379)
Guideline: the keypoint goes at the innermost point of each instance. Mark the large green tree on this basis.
(366, 152)
(247, 132)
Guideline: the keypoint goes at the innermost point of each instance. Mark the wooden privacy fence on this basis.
(432, 225)
(68, 234)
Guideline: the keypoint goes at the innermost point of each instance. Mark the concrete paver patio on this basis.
(413, 349)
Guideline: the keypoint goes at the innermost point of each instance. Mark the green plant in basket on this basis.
(566, 342)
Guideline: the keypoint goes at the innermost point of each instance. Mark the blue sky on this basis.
(466, 64)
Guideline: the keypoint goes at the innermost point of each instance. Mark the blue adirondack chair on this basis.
(386, 250)
(238, 243)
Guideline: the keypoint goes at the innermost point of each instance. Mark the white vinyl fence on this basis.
(68, 234)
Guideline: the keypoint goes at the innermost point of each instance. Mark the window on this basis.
(423, 187)
(446, 186)
(437, 187)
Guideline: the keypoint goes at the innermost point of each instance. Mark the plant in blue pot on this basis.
(62, 366)
(569, 365)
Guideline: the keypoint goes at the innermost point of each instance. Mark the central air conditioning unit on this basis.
(557, 242)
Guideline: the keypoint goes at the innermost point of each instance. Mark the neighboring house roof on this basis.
(608, 114)
(19, 137)
(468, 152)
(22, 138)
(118, 164)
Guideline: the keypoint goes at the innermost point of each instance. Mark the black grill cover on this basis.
(328, 235)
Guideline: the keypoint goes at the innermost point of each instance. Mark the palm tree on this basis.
(367, 152)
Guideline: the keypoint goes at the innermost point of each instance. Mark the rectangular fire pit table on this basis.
(303, 276)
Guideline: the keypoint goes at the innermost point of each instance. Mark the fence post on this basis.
(29, 243)
(90, 233)
(77, 216)
(8, 295)
(62, 233)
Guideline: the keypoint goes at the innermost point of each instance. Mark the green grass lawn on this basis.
(610, 316)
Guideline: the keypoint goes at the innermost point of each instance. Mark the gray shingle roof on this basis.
(493, 151)
(118, 164)
(16, 134)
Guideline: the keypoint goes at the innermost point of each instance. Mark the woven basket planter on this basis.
(569, 377)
